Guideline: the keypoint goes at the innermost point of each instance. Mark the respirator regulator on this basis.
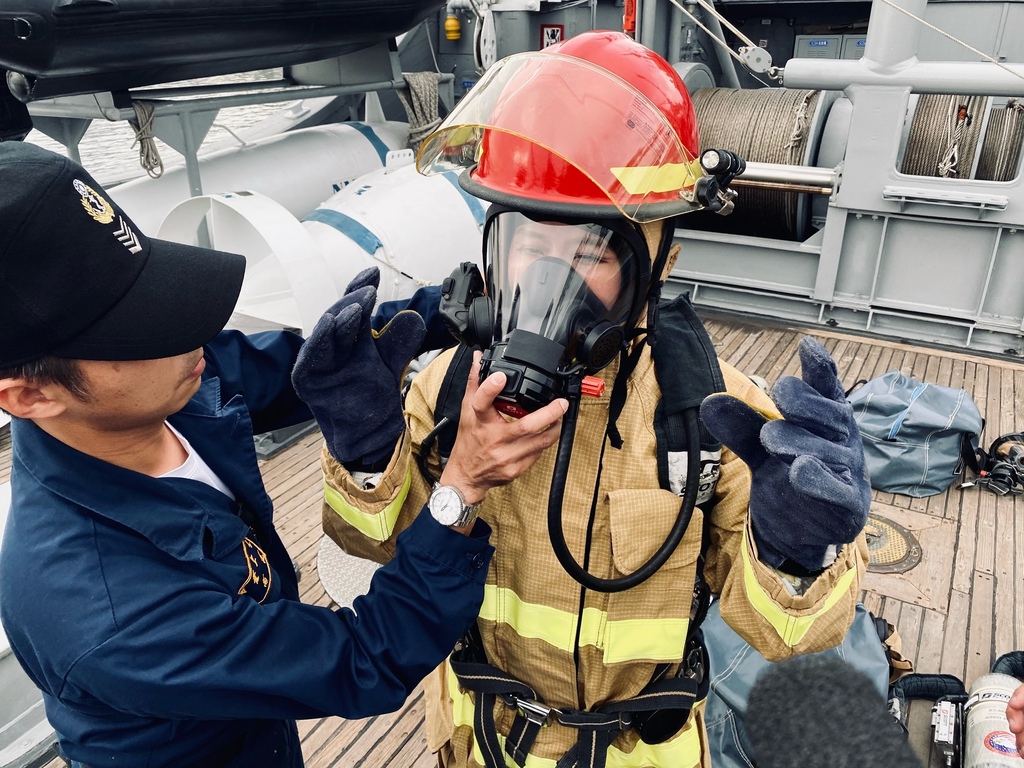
(558, 303)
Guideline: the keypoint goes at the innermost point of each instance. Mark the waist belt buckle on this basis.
(535, 711)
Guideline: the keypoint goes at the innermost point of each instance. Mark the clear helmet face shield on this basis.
(528, 107)
(564, 297)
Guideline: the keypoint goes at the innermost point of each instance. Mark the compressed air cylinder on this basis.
(988, 742)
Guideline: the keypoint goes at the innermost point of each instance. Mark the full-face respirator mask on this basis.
(559, 301)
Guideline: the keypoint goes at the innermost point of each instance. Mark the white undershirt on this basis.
(194, 468)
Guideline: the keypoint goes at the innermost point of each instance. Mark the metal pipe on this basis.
(648, 12)
(782, 187)
(195, 90)
(59, 108)
(893, 36)
(971, 77)
(725, 61)
(675, 35)
(780, 173)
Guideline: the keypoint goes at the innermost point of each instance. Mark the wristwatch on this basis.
(449, 508)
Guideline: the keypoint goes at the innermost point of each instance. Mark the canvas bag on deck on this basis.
(914, 433)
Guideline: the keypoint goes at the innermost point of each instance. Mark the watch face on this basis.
(445, 505)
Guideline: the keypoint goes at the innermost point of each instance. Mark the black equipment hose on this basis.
(555, 496)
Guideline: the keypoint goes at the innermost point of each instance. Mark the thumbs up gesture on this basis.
(809, 488)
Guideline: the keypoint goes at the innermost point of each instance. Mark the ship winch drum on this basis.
(769, 125)
(988, 143)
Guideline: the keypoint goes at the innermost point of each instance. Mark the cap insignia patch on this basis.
(126, 237)
(94, 204)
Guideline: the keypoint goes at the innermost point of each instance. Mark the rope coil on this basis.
(419, 97)
(149, 155)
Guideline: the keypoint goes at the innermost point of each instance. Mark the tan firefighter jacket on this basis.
(576, 648)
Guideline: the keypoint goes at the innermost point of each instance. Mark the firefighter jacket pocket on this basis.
(641, 521)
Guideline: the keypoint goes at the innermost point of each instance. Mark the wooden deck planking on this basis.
(956, 611)
(5, 454)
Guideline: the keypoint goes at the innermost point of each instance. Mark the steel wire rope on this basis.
(940, 142)
(768, 125)
(419, 97)
(1000, 150)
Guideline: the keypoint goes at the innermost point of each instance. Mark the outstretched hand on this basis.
(350, 376)
(809, 489)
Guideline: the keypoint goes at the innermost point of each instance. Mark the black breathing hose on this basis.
(555, 496)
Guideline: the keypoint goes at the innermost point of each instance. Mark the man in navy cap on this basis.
(142, 584)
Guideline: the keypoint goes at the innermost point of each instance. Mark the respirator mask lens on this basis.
(563, 295)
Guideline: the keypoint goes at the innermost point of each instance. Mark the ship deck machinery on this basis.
(883, 192)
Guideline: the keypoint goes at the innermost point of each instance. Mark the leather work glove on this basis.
(425, 302)
(350, 376)
(809, 489)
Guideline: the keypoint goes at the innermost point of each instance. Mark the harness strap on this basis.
(489, 682)
(596, 730)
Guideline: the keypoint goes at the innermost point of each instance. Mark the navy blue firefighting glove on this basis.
(809, 489)
(350, 376)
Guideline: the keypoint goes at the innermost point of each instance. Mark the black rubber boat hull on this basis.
(84, 46)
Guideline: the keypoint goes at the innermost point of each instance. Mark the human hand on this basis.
(1015, 717)
(350, 376)
(490, 450)
(809, 489)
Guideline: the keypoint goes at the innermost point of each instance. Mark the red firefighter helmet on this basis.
(596, 126)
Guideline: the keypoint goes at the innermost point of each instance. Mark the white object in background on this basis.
(416, 228)
(343, 576)
(299, 169)
(287, 282)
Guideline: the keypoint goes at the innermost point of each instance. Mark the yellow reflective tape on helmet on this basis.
(378, 527)
(642, 180)
(790, 628)
(681, 751)
(622, 640)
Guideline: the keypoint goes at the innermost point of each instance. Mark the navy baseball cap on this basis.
(79, 280)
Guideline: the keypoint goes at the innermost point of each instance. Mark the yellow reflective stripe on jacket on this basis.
(378, 527)
(790, 628)
(622, 640)
(681, 751)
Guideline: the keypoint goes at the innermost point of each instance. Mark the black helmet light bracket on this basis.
(712, 191)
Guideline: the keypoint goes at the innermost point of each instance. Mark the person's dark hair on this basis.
(51, 370)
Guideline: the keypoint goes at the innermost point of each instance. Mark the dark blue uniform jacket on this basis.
(161, 620)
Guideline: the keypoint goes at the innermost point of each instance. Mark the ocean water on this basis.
(109, 150)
